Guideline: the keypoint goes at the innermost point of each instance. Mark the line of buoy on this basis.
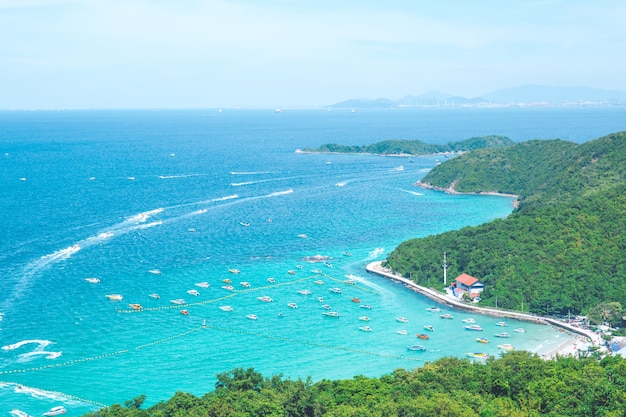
(58, 394)
(167, 339)
(175, 306)
(62, 364)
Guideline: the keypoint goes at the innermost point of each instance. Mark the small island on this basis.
(415, 147)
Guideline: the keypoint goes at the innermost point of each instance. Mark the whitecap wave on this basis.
(376, 252)
(248, 172)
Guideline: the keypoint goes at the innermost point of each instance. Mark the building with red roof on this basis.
(466, 283)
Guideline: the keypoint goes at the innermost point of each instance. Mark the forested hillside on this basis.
(519, 384)
(417, 147)
(563, 250)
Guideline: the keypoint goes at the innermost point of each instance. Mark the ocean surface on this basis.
(165, 202)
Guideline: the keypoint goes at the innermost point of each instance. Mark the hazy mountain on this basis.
(517, 96)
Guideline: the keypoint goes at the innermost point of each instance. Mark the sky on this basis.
(298, 53)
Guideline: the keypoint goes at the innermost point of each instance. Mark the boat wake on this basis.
(375, 253)
(37, 351)
(167, 177)
(248, 172)
(410, 192)
(40, 394)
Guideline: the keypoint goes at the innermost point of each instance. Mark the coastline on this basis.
(580, 339)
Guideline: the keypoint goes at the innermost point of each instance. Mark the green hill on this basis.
(563, 250)
(417, 147)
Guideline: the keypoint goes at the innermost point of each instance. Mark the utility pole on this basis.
(445, 268)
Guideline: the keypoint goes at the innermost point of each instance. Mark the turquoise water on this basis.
(114, 195)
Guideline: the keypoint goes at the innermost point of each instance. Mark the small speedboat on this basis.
(195, 293)
(203, 284)
(470, 320)
(291, 272)
(402, 332)
(482, 340)
(135, 306)
(419, 348)
(155, 296)
(501, 324)
(356, 300)
(423, 336)
(319, 282)
(304, 292)
(234, 271)
(227, 281)
(504, 334)
(350, 282)
(114, 297)
(252, 316)
(479, 355)
(320, 299)
(474, 327)
(326, 307)
(520, 330)
(402, 319)
(365, 328)
(336, 290)
(184, 312)
(228, 287)
(19, 413)
(92, 280)
(429, 328)
(367, 306)
(292, 305)
(331, 313)
(55, 411)
(506, 347)
(433, 309)
(155, 271)
(178, 301)
(316, 271)
(265, 299)
(245, 284)
(271, 280)
(446, 316)
(226, 308)
(364, 318)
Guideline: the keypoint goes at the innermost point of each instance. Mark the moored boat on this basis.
(419, 348)
(155, 296)
(482, 340)
(433, 309)
(291, 272)
(265, 299)
(252, 316)
(92, 280)
(479, 355)
(501, 324)
(226, 308)
(228, 287)
(470, 320)
(429, 328)
(331, 313)
(446, 316)
(184, 312)
(355, 300)
(423, 336)
(402, 332)
(326, 307)
(364, 318)
(503, 334)
(365, 328)
(178, 301)
(319, 282)
(245, 284)
(474, 327)
(195, 293)
(155, 271)
(234, 271)
(402, 319)
(304, 292)
(135, 306)
(336, 290)
(114, 297)
(292, 305)
(271, 280)
(203, 284)
(507, 347)
(520, 330)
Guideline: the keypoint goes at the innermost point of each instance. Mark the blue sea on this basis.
(148, 203)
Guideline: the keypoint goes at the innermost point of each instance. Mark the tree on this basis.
(608, 312)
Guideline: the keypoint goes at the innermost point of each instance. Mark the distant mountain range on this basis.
(523, 96)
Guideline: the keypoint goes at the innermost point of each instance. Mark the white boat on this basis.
(331, 313)
(19, 413)
(418, 348)
(502, 335)
(402, 319)
(155, 271)
(292, 305)
(336, 290)
(203, 284)
(470, 320)
(326, 307)
(349, 282)
(302, 236)
(316, 271)
(520, 330)
(446, 316)
(433, 309)
(271, 280)
(114, 297)
(328, 264)
(92, 280)
(226, 308)
(245, 224)
(252, 316)
(178, 301)
(304, 292)
(365, 328)
(403, 332)
(245, 284)
(154, 295)
(501, 324)
(55, 411)
(366, 306)
(320, 299)
(319, 282)
(234, 271)
(364, 318)
(228, 287)
(474, 327)
(195, 293)
(429, 328)
(265, 299)
(506, 347)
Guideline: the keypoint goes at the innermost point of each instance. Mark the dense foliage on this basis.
(417, 147)
(519, 384)
(563, 250)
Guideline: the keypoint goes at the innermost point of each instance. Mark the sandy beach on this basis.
(580, 340)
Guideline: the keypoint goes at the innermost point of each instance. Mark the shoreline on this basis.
(566, 348)
(451, 190)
